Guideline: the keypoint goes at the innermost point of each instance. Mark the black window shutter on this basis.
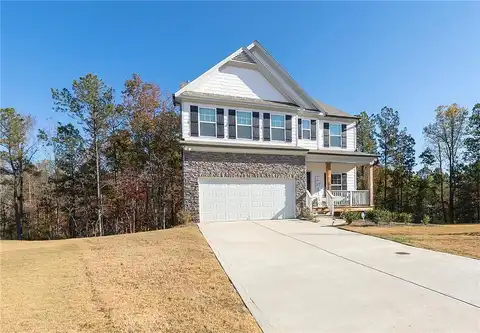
(288, 128)
(313, 126)
(309, 181)
(256, 125)
(232, 128)
(326, 134)
(220, 124)
(325, 182)
(299, 128)
(193, 120)
(344, 136)
(344, 181)
(266, 127)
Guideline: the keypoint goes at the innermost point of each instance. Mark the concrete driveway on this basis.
(300, 277)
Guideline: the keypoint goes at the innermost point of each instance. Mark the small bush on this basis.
(426, 219)
(306, 213)
(370, 215)
(184, 217)
(350, 216)
(383, 216)
(404, 217)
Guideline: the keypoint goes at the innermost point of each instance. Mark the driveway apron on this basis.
(296, 276)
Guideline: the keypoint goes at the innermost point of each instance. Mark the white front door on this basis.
(233, 199)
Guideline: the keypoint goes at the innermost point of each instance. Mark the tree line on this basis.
(445, 187)
(116, 168)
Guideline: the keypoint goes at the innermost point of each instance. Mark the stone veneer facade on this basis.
(238, 165)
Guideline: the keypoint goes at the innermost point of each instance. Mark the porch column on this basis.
(370, 183)
(328, 166)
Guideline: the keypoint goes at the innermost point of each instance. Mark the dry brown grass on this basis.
(162, 281)
(461, 239)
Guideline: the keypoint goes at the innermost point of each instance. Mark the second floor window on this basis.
(244, 125)
(208, 122)
(278, 127)
(306, 129)
(335, 135)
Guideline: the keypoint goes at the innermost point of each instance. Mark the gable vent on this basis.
(244, 57)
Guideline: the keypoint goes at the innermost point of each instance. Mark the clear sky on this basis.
(356, 56)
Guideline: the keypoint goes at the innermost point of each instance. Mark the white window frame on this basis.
(332, 184)
(237, 124)
(206, 122)
(307, 129)
(284, 127)
(330, 135)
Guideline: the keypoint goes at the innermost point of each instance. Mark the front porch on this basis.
(332, 182)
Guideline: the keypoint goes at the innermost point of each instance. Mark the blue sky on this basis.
(357, 56)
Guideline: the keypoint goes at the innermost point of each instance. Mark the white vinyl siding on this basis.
(277, 127)
(207, 122)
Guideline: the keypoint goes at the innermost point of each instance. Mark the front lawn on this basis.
(460, 239)
(161, 281)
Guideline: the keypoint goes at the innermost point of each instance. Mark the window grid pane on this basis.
(244, 132)
(208, 115)
(244, 118)
(335, 129)
(207, 129)
(306, 134)
(278, 134)
(335, 141)
(277, 121)
(306, 124)
(336, 179)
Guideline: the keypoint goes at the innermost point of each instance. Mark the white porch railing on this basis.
(330, 202)
(352, 198)
(309, 200)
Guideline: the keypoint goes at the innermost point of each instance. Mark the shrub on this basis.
(350, 216)
(370, 215)
(383, 216)
(184, 217)
(306, 213)
(426, 219)
(404, 217)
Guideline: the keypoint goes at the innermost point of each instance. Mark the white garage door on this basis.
(232, 199)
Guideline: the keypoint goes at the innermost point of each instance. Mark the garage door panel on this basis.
(227, 199)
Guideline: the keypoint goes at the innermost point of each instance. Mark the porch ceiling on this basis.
(351, 157)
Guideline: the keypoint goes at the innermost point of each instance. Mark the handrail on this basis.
(330, 202)
(309, 200)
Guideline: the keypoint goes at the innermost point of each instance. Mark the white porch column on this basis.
(328, 168)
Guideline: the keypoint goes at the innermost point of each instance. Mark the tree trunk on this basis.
(18, 222)
(441, 184)
(99, 194)
(385, 181)
(451, 194)
(478, 192)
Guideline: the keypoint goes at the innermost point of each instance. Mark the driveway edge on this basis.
(241, 290)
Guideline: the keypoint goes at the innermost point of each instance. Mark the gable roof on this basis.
(256, 55)
(244, 57)
(333, 111)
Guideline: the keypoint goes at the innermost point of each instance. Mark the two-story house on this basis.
(257, 146)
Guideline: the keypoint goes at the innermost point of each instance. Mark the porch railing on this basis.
(309, 200)
(352, 198)
(330, 202)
